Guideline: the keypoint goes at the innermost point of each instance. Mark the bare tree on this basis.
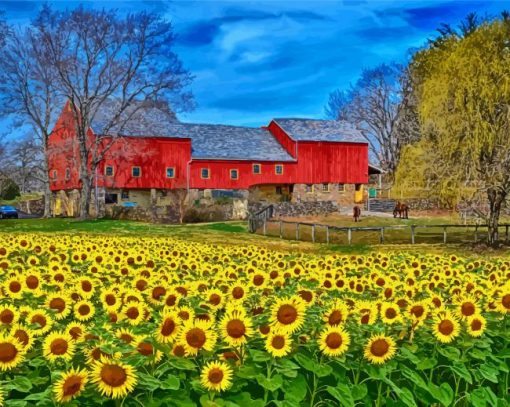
(28, 93)
(107, 62)
(28, 169)
(378, 106)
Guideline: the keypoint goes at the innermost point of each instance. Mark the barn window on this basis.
(309, 188)
(68, 174)
(325, 187)
(341, 187)
(124, 195)
(136, 172)
(111, 198)
(204, 173)
(234, 174)
(170, 172)
(279, 191)
(278, 169)
(257, 169)
(108, 171)
(357, 187)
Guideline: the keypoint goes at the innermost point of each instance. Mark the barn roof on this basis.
(216, 141)
(320, 130)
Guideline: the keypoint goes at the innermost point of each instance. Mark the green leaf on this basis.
(244, 399)
(287, 368)
(477, 398)
(19, 383)
(322, 370)
(449, 352)
(443, 393)
(414, 377)
(182, 363)
(479, 354)
(427, 363)
(376, 372)
(259, 356)
(295, 390)
(489, 372)
(461, 371)
(409, 355)
(271, 384)
(247, 371)
(407, 397)
(171, 383)
(359, 391)
(37, 362)
(342, 394)
(15, 403)
(305, 361)
(491, 398)
(148, 382)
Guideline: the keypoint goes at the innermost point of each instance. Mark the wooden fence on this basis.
(380, 229)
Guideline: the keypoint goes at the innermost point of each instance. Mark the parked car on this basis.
(8, 212)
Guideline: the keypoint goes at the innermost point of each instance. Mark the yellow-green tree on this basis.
(463, 91)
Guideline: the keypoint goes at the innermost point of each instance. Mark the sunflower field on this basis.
(125, 321)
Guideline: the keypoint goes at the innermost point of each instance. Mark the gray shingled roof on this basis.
(320, 130)
(216, 141)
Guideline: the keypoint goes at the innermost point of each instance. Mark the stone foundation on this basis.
(291, 209)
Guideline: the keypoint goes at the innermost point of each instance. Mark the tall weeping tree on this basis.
(464, 106)
(107, 62)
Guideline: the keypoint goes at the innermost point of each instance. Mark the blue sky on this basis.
(256, 60)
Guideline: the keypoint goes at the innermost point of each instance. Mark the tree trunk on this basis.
(496, 197)
(86, 192)
(47, 200)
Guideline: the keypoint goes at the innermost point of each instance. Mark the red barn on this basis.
(289, 160)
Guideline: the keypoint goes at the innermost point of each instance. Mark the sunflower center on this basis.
(22, 336)
(113, 375)
(178, 351)
(237, 293)
(506, 301)
(476, 325)
(168, 327)
(7, 352)
(86, 286)
(287, 314)
(445, 327)
(32, 282)
(132, 313)
(170, 300)
(145, 349)
(335, 317)
(365, 319)
(183, 315)
(59, 346)
(258, 279)
(110, 299)
(468, 309)
(214, 299)
(6, 316)
(72, 385)
(278, 342)
(57, 304)
(417, 311)
(379, 347)
(84, 309)
(334, 340)
(215, 375)
(39, 319)
(158, 292)
(390, 313)
(125, 337)
(236, 328)
(306, 295)
(15, 287)
(196, 337)
(75, 332)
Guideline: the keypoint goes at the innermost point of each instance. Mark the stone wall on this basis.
(295, 209)
(33, 206)
(342, 194)
(162, 214)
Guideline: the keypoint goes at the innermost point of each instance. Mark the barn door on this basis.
(358, 193)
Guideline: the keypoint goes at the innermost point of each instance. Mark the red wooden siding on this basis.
(283, 138)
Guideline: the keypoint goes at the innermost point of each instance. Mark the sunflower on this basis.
(113, 378)
(216, 376)
(134, 312)
(77, 331)
(379, 349)
(12, 352)
(33, 282)
(70, 385)
(503, 301)
(467, 307)
(185, 313)
(278, 344)
(196, 335)
(168, 329)
(145, 348)
(476, 325)
(40, 321)
(367, 312)
(238, 291)
(334, 341)
(156, 295)
(9, 315)
(288, 314)
(23, 335)
(13, 288)
(84, 310)
(236, 326)
(446, 327)
(390, 313)
(128, 337)
(58, 345)
(336, 314)
(110, 300)
(60, 304)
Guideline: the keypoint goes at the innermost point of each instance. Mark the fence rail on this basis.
(264, 222)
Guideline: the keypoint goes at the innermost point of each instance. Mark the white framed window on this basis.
(234, 173)
(136, 172)
(257, 169)
(170, 172)
(278, 169)
(204, 173)
(108, 171)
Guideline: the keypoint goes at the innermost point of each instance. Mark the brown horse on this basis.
(356, 213)
(401, 210)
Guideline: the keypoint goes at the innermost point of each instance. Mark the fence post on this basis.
(381, 239)
(476, 233)
(281, 234)
(297, 231)
(265, 227)
(349, 235)
(412, 234)
(313, 233)
(327, 234)
(444, 235)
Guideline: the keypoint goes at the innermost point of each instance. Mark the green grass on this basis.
(21, 198)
